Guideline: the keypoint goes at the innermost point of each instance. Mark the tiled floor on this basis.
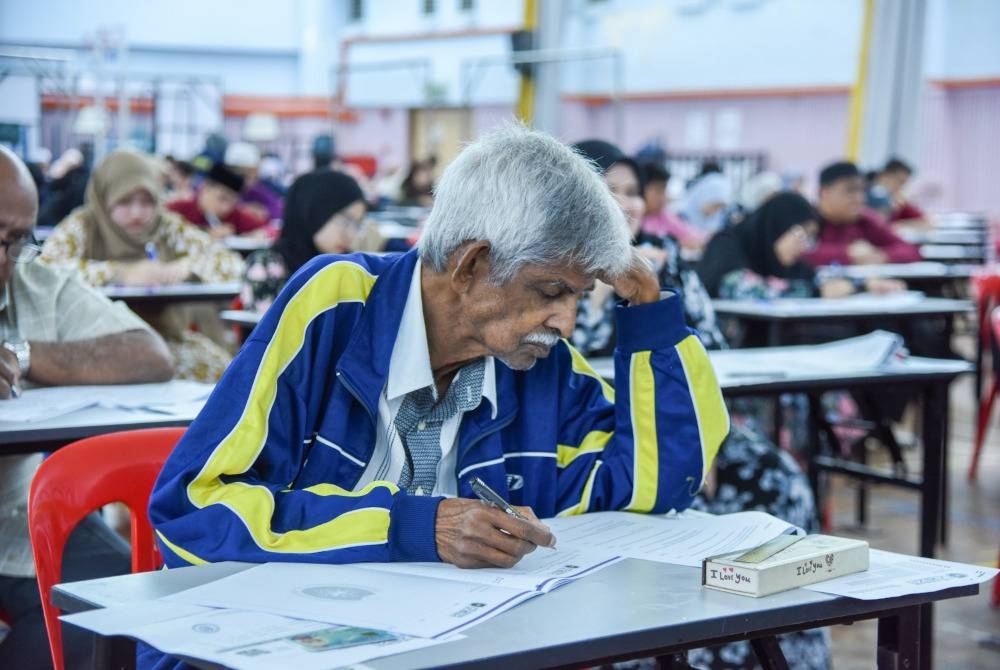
(961, 625)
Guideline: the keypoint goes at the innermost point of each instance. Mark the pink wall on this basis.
(957, 168)
(799, 133)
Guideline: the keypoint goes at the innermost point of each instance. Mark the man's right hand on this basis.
(471, 534)
(10, 372)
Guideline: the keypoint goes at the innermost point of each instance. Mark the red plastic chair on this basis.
(83, 477)
(986, 404)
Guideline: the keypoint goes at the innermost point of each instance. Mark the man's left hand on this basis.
(638, 284)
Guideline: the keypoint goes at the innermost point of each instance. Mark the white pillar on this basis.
(551, 17)
(894, 86)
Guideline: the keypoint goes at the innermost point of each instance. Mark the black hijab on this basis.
(312, 199)
(750, 245)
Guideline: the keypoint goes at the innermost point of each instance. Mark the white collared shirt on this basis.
(410, 370)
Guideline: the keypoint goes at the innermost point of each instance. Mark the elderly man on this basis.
(55, 330)
(349, 426)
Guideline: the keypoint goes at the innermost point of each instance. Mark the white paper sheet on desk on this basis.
(891, 575)
(678, 539)
(245, 640)
(44, 403)
(542, 570)
(349, 595)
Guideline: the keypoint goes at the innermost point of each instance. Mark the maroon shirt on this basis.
(240, 219)
(905, 212)
(835, 238)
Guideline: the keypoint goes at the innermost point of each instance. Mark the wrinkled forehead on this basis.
(565, 271)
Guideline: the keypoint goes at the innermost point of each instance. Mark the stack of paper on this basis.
(681, 539)
(856, 354)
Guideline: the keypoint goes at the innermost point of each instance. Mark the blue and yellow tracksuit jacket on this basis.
(267, 472)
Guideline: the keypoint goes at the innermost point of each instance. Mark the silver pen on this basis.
(491, 497)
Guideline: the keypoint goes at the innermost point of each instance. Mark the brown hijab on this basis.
(119, 174)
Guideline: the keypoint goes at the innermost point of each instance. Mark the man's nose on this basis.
(564, 318)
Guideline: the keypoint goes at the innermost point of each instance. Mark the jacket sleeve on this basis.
(228, 490)
(646, 445)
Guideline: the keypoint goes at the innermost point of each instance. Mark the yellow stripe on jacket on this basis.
(337, 283)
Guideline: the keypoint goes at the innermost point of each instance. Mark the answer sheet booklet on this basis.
(401, 598)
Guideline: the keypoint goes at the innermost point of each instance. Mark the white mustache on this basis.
(544, 339)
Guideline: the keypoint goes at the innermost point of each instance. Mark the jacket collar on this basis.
(365, 360)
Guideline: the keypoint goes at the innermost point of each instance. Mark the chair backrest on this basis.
(83, 477)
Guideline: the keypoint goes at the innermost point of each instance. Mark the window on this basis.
(355, 10)
(466, 5)
(429, 7)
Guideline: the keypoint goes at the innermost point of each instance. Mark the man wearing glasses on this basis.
(54, 331)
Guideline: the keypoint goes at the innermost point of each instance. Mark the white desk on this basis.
(246, 245)
(920, 271)
(944, 236)
(19, 437)
(863, 310)
(631, 609)
(158, 296)
(241, 317)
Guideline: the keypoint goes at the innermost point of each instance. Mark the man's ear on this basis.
(471, 265)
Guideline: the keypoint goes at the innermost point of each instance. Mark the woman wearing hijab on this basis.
(324, 214)
(122, 235)
(749, 471)
(705, 203)
(761, 258)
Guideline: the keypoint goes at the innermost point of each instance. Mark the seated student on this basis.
(55, 330)
(375, 387)
(891, 181)
(178, 179)
(215, 206)
(849, 234)
(122, 236)
(658, 219)
(750, 471)
(417, 189)
(324, 214)
(705, 203)
(762, 257)
(256, 196)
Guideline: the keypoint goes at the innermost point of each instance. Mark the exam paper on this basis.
(676, 539)
(243, 639)
(891, 575)
(350, 595)
(37, 404)
(542, 570)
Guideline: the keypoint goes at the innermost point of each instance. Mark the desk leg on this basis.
(899, 640)
(114, 653)
(935, 399)
(768, 653)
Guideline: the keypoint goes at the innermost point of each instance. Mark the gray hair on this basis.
(533, 199)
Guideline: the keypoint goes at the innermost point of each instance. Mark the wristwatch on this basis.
(22, 350)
